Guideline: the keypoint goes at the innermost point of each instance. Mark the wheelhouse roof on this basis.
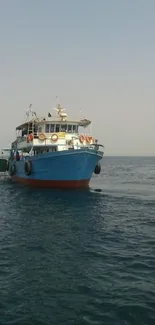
(25, 125)
(83, 122)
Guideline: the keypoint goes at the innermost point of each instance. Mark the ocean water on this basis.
(80, 257)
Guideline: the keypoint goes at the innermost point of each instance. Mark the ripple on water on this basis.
(83, 257)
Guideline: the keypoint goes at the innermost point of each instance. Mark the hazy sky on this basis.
(97, 55)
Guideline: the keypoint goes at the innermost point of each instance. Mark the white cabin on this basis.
(52, 134)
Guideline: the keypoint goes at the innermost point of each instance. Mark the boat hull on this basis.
(83, 183)
(64, 169)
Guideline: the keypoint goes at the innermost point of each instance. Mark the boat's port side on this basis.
(55, 150)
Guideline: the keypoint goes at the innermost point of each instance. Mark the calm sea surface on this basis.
(80, 257)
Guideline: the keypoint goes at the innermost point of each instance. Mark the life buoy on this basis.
(97, 169)
(81, 138)
(31, 136)
(41, 136)
(27, 167)
(88, 139)
(54, 137)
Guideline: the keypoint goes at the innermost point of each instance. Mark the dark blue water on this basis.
(80, 257)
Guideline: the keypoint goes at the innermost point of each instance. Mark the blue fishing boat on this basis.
(54, 152)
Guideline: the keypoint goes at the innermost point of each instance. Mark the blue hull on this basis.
(69, 168)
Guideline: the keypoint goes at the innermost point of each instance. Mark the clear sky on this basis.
(97, 55)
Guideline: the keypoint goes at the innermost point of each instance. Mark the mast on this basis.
(62, 116)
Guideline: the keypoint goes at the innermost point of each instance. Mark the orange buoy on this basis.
(81, 138)
(31, 136)
(88, 139)
(41, 136)
(54, 137)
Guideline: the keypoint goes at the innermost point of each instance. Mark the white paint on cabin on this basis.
(67, 131)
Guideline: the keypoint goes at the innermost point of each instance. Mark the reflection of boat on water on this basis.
(52, 152)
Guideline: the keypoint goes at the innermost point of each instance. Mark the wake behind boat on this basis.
(52, 152)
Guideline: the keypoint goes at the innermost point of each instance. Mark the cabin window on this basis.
(52, 127)
(75, 129)
(24, 132)
(35, 131)
(47, 128)
(70, 128)
(40, 129)
(57, 128)
(63, 127)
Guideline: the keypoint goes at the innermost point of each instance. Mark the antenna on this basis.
(60, 112)
(56, 100)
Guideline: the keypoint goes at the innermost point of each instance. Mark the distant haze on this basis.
(97, 56)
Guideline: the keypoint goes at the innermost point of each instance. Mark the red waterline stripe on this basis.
(83, 183)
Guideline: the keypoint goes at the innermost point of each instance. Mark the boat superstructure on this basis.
(53, 151)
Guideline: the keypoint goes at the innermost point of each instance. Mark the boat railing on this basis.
(74, 137)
